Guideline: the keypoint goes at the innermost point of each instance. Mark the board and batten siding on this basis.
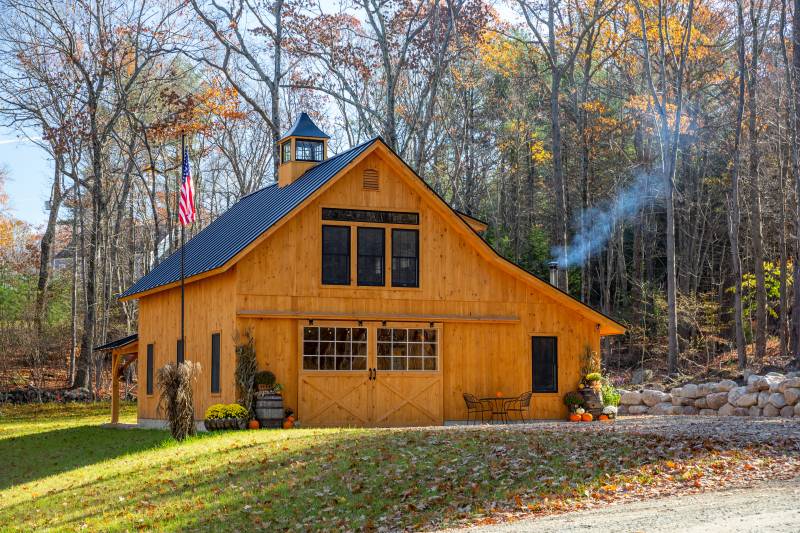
(284, 273)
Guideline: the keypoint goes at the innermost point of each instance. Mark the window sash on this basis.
(544, 364)
(215, 347)
(405, 263)
(335, 348)
(308, 150)
(408, 349)
(286, 152)
(371, 262)
(335, 263)
(149, 372)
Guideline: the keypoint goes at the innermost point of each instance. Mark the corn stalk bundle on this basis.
(176, 402)
(246, 368)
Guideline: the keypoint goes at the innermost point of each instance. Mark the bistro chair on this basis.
(476, 408)
(521, 405)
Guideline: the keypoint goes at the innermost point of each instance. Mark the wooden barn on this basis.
(371, 299)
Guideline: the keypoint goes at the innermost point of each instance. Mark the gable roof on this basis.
(240, 225)
(305, 127)
(253, 215)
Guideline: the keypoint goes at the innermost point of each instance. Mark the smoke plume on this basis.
(599, 221)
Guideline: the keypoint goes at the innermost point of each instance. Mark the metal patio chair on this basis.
(476, 408)
(521, 405)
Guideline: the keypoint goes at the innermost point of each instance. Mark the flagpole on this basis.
(183, 312)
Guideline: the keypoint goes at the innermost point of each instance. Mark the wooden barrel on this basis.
(592, 401)
(269, 410)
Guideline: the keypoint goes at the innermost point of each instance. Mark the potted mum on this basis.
(573, 401)
(226, 416)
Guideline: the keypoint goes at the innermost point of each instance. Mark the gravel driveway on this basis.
(771, 506)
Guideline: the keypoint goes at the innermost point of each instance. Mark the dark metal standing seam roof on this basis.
(124, 341)
(305, 127)
(243, 223)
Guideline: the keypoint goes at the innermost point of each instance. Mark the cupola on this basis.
(302, 147)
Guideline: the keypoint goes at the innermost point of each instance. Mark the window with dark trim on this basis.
(286, 152)
(369, 216)
(149, 382)
(371, 256)
(215, 363)
(336, 255)
(405, 258)
(307, 150)
(544, 364)
(179, 351)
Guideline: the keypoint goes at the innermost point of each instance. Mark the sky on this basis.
(29, 169)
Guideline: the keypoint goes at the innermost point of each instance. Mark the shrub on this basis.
(573, 400)
(265, 377)
(221, 410)
(594, 376)
(610, 395)
(175, 401)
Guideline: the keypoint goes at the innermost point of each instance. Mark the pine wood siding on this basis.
(276, 286)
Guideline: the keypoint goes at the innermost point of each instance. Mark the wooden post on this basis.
(114, 387)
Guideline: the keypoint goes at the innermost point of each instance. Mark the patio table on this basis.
(498, 406)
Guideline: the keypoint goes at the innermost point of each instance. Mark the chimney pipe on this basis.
(553, 273)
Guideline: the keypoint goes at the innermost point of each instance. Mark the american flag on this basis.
(186, 210)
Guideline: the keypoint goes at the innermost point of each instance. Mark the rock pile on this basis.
(773, 394)
(32, 395)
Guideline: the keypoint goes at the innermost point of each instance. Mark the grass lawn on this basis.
(62, 472)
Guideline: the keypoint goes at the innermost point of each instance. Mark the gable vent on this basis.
(371, 182)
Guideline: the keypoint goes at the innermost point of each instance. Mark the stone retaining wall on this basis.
(771, 395)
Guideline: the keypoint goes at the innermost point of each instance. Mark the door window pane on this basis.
(407, 349)
(334, 348)
(405, 258)
(371, 256)
(336, 255)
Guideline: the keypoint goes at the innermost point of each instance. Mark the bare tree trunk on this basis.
(734, 216)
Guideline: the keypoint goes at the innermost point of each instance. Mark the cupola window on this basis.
(286, 152)
(306, 150)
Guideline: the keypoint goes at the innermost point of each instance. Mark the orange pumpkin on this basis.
(586, 417)
(253, 424)
(498, 394)
(603, 418)
(574, 417)
(288, 423)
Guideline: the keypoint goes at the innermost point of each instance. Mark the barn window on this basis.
(408, 349)
(215, 363)
(179, 351)
(371, 256)
(334, 348)
(286, 152)
(544, 363)
(308, 150)
(405, 258)
(371, 182)
(150, 350)
(336, 255)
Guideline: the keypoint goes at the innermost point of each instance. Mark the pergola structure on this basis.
(123, 351)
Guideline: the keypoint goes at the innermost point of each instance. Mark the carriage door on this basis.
(334, 388)
(407, 380)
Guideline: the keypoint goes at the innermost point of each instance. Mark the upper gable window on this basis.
(336, 255)
(308, 150)
(405, 258)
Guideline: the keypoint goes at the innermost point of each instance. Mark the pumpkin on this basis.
(288, 423)
(586, 417)
(574, 417)
(603, 418)
(498, 394)
(253, 424)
